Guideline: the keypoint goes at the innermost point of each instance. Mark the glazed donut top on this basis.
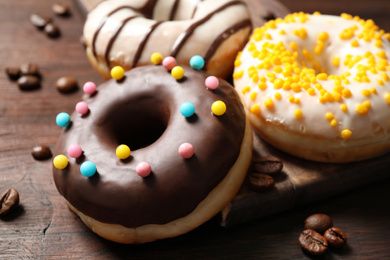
(143, 111)
(322, 75)
(179, 28)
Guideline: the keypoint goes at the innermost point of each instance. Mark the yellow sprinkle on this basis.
(270, 74)
(366, 92)
(156, 58)
(329, 116)
(255, 109)
(323, 36)
(316, 13)
(246, 89)
(177, 72)
(311, 91)
(237, 63)
(238, 74)
(322, 99)
(346, 134)
(293, 46)
(378, 43)
(278, 83)
(385, 77)
(322, 76)
(333, 122)
(344, 107)
(298, 114)
(278, 69)
(336, 61)
(278, 96)
(346, 93)
(268, 36)
(269, 103)
(117, 72)
(218, 108)
(381, 54)
(380, 82)
(361, 109)
(291, 98)
(355, 43)
(253, 95)
(262, 85)
(282, 32)
(387, 98)
(367, 104)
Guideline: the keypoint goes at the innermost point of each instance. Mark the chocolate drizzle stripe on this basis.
(196, 8)
(173, 10)
(102, 23)
(143, 42)
(183, 37)
(114, 36)
(223, 36)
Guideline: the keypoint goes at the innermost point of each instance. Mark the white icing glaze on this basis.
(165, 35)
(314, 121)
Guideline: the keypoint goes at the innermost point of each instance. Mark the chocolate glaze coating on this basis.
(142, 111)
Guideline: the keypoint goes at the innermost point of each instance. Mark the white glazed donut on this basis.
(317, 86)
(127, 32)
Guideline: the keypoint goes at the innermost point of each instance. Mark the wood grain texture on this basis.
(43, 227)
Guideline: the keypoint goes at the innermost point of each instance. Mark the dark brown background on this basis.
(43, 227)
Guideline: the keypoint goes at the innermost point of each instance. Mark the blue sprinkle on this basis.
(187, 109)
(197, 62)
(88, 169)
(63, 119)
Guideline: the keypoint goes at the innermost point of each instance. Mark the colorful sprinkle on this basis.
(169, 62)
(212, 82)
(74, 150)
(63, 119)
(60, 161)
(117, 72)
(143, 169)
(89, 88)
(88, 169)
(218, 108)
(197, 62)
(82, 108)
(187, 109)
(346, 134)
(186, 150)
(177, 72)
(156, 58)
(123, 151)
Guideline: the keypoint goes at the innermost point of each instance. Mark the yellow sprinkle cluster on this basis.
(295, 69)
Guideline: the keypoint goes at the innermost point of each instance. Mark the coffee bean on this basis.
(312, 242)
(335, 237)
(40, 20)
(29, 82)
(66, 84)
(8, 200)
(29, 69)
(13, 73)
(319, 223)
(268, 15)
(41, 152)
(268, 165)
(60, 9)
(52, 30)
(260, 182)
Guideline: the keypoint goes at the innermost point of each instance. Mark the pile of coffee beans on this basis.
(9, 200)
(263, 169)
(44, 22)
(27, 76)
(319, 234)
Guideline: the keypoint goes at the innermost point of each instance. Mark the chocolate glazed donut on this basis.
(142, 111)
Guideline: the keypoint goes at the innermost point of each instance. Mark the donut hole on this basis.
(137, 123)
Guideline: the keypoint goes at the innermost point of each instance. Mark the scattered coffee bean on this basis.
(268, 165)
(29, 82)
(29, 69)
(60, 9)
(335, 237)
(319, 223)
(41, 152)
(40, 20)
(312, 242)
(52, 30)
(268, 15)
(260, 182)
(13, 73)
(66, 84)
(8, 200)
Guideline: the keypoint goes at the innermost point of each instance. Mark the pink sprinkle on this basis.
(89, 88)
(143, 169)
(212, 82)
(169, 62)
(82, 108)
(74, 150)
(186, 150)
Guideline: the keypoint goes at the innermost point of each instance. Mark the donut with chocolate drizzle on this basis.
(143, 111)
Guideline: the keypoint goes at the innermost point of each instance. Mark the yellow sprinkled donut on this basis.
(318, 86)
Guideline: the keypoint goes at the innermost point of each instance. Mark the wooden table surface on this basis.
(42, 227)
